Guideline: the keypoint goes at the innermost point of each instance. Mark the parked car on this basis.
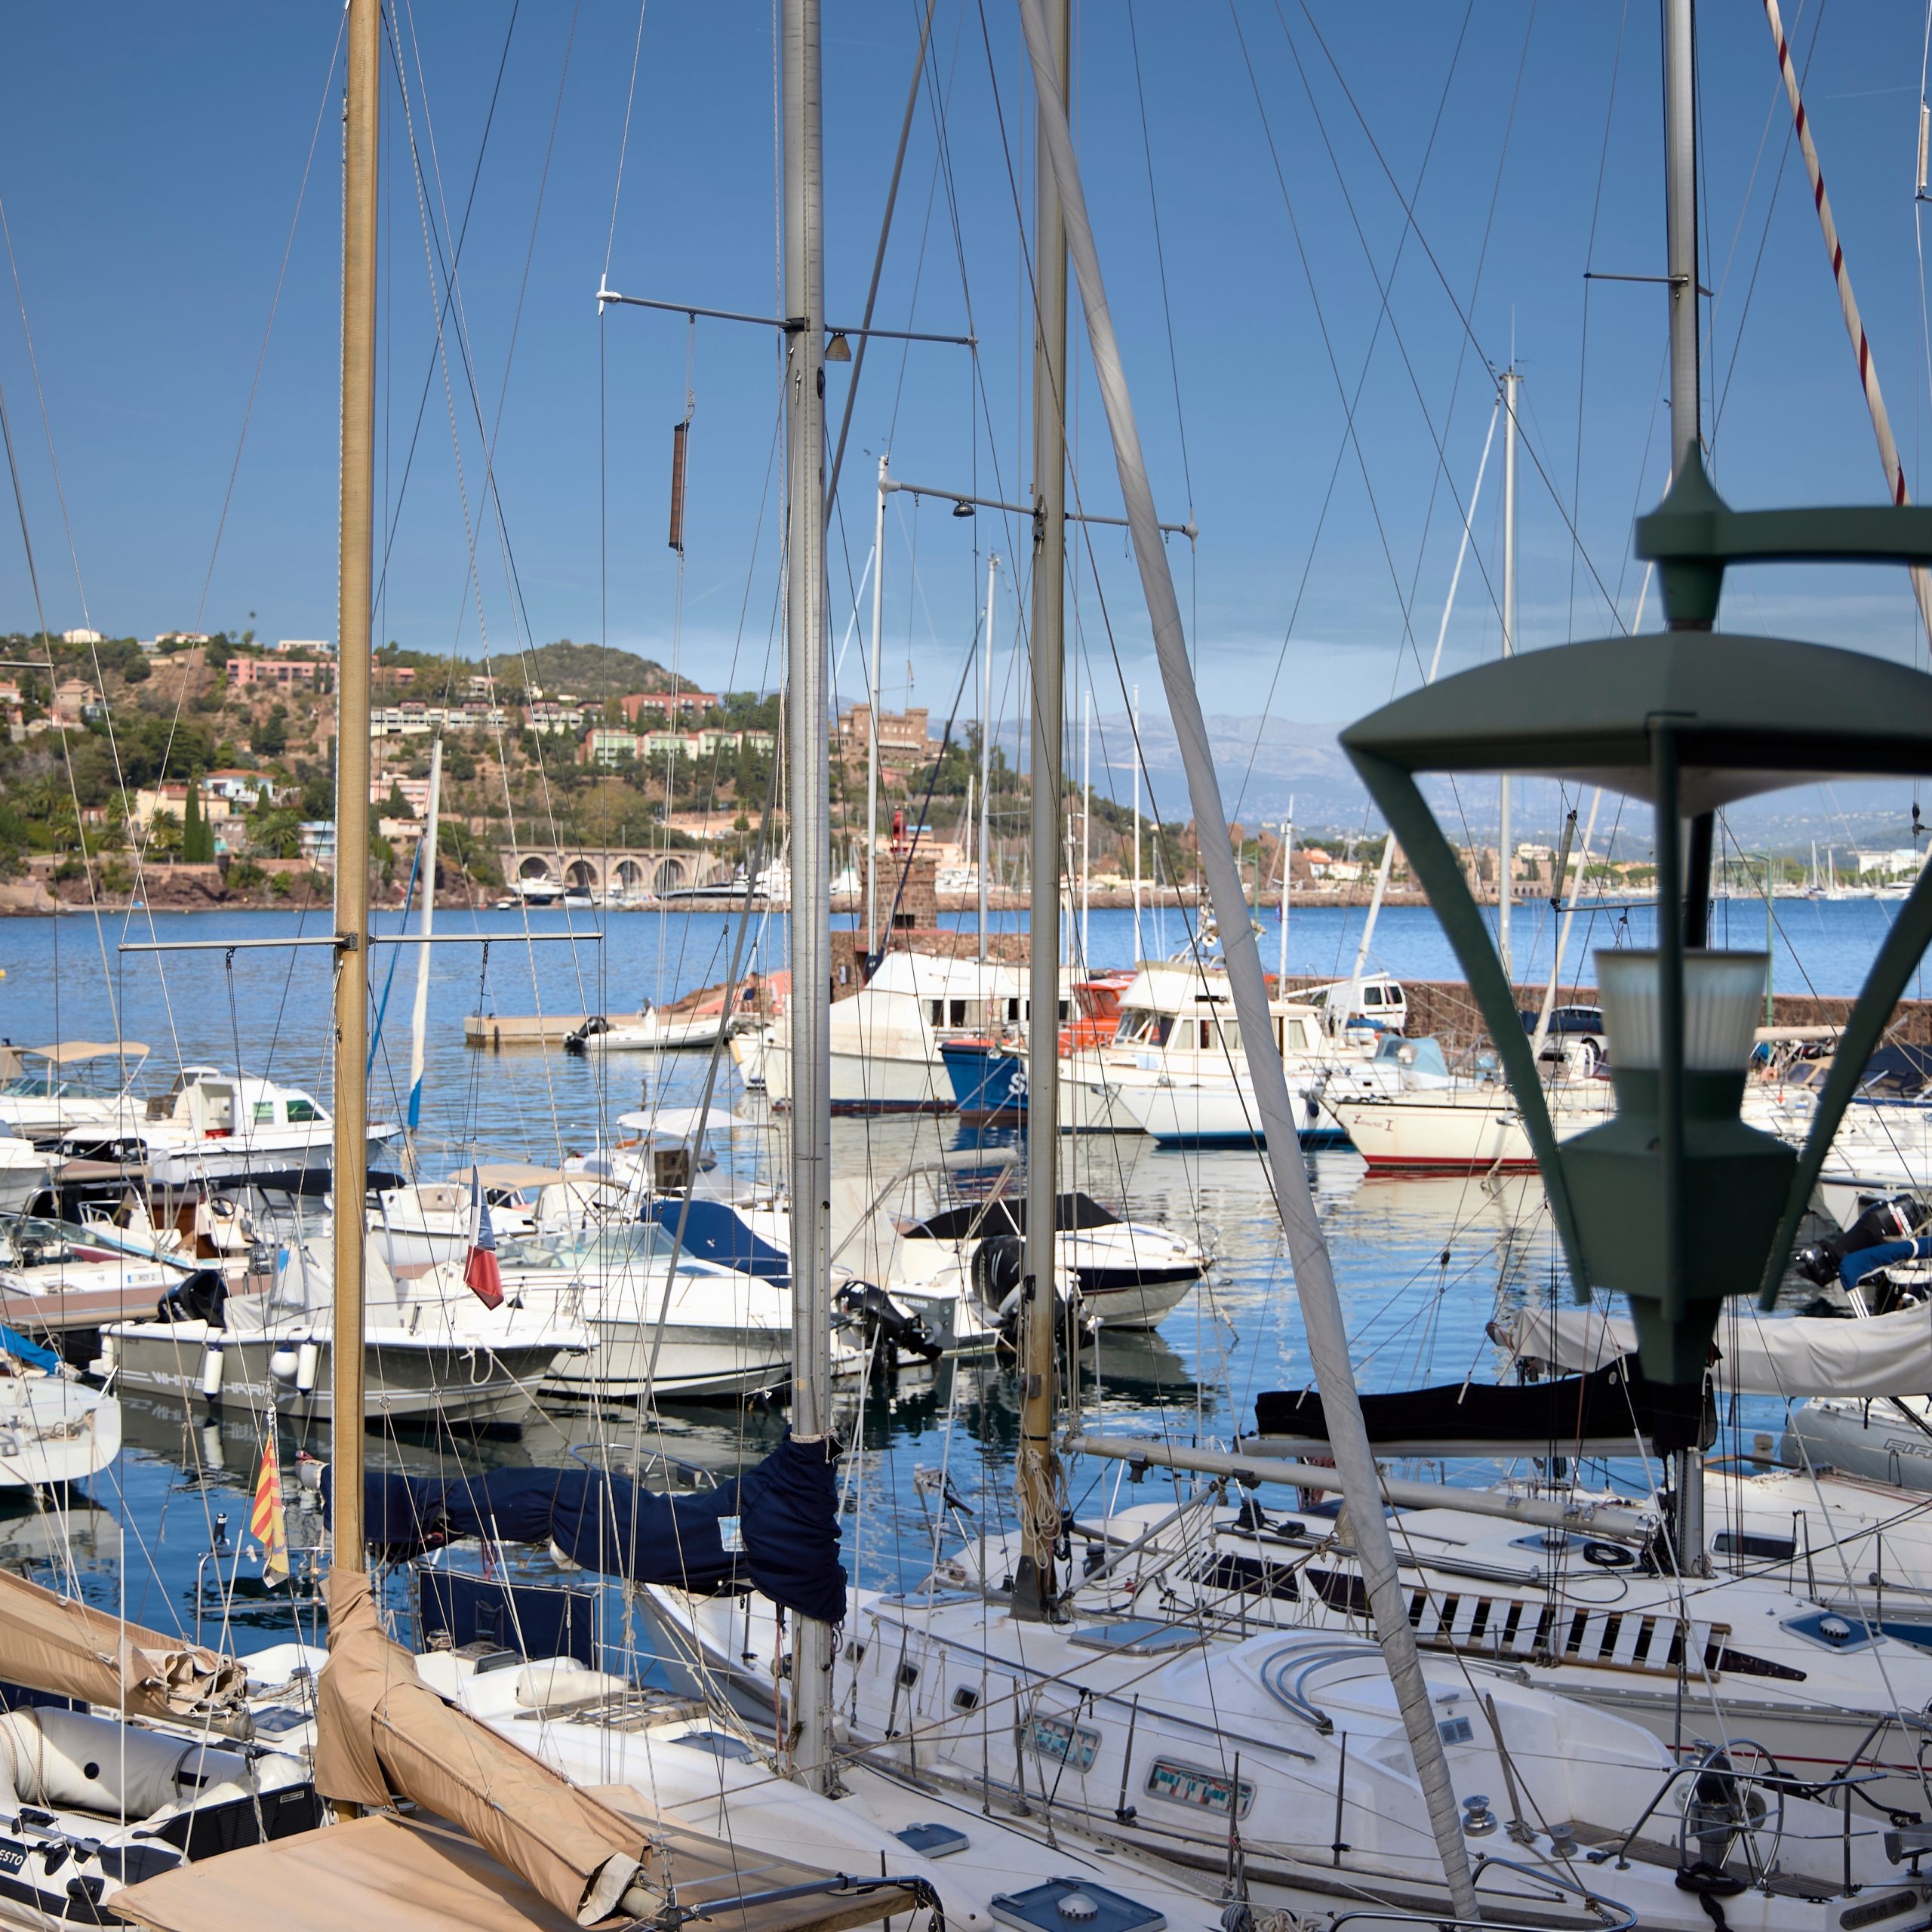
(1576, 1039)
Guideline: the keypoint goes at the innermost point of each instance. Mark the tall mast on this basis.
(426, 924)
(362, 107)
(808, 682)
(1680, 208)
(871, 735)
(1504, 869)
(1033, 1587)
(1680, 134)
(986, 750)
(1087, 823)
(1314, 1275)
(1136, 825)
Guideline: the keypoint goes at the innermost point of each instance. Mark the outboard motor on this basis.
(201, 1296)
(997, 1267)
(574, 1042)
(1069, 1320)
(1896, 1218)
(890, 1332)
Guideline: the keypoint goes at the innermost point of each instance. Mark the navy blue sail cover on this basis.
(784, 1511)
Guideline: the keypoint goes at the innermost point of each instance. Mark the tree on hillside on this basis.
(197, 835)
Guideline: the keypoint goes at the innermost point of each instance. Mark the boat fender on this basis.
(211, 1369)
(308, 1361)
(281, 1365)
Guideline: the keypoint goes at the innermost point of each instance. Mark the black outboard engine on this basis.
(573, 1042)
(1896, 1218)
(998, 1265)
(889, 1331)
(201, 1296)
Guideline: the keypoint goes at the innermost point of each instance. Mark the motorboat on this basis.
(53, 1429)
(45, 1091)
(434, 1351)
(430, 1223)
(24, 1172)
(211, 1126)
(1468, 1126)
(699, 1020)
(886, 1037)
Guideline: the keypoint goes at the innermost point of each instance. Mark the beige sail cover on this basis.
(381, 1733)
(70, 1649)
(385, 1874)
(1790, 1355)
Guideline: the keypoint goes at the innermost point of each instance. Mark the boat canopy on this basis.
(1758, 1355)
(71, 1052)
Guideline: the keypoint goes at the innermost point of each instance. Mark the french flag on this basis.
(481, 1274)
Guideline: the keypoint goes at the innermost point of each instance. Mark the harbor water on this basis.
(1423, 1264)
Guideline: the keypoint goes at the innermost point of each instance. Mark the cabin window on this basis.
(1207, 1031)
(1065, 1743)
(1065, 1010)
(938, 1007)
(959, 1013)
(1012, 1010)
(1198, 1789)
(1163, 1027)
(301, 1112)
(1371, 995)
(264, 1110)
(1744, 1543)
(1231, 1036)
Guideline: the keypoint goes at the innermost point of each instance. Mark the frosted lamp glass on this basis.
(1723, 993)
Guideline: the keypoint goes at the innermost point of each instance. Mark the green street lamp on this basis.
(1675, 1202)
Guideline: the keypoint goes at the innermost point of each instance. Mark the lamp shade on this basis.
(1723, 993)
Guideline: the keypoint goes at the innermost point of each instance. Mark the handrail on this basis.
(1617, 1917)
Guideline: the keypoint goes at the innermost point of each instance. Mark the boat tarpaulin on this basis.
(381, 1733)
(774, 1525)
(69, 1649)
(385, 1874)
(12, 1343)
(1770, 1354)
(715, 1230)
(1609, 1406)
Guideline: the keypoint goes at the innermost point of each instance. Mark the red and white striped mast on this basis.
(1861, 344)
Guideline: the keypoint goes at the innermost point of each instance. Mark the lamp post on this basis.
(1675, 1202)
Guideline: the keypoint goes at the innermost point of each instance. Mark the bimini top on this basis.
(71, 1052)
(1750, 714)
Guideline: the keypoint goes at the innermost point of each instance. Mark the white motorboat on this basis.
(434, 1351)
(53, 1429)
(24, 1171)
(216, 1127)
(433, 1222)
(886, 1038)
(1474, 1127)
(48, 1090)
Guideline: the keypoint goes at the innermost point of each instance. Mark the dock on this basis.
(497, 1030)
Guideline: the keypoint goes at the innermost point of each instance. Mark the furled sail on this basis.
(381, 1733)
(69, 1649)
(1773, 1354)
(774, 1526)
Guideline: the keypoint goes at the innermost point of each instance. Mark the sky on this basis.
(1311, 360)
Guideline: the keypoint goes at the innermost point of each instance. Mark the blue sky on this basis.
(151, 160)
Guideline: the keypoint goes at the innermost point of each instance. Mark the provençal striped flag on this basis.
(265, 1522)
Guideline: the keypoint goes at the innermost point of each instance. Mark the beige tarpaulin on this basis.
(1773, 1354)
(385, 1874)
(56, 1644)
(381, 1732)
(71, 1052)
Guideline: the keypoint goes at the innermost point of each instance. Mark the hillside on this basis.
(592, 670)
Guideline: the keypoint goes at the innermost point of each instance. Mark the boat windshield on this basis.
(1421, 1056)
(592, 1248)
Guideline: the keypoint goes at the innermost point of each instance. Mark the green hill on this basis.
(595, 670)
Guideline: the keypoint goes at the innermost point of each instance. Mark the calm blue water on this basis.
(1422, 1264)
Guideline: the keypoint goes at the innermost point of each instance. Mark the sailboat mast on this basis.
(872, 942)
(1680, 135)
(1136, 825)
(1033, 1587)
(1087, 824)
(1504, 844)
(1314, 1275)
(426, 924)
(986, 750)
(362, 107)
(807, 683)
